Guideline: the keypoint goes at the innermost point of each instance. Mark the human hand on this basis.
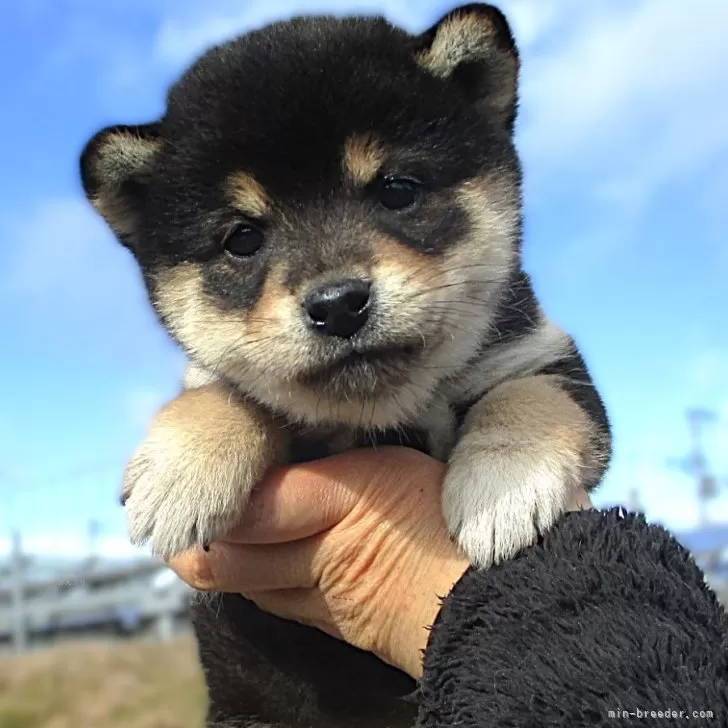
(354, 545)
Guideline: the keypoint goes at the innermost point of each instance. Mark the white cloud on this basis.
(184, 35)
(626, 93)
(535, 22)
(665, 494)
(631, 91)
(189, 29)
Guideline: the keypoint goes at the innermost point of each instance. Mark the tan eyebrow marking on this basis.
(248, 195)
(363, 158)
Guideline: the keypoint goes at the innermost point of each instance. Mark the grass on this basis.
(104, 685)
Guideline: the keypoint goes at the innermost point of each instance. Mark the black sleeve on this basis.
(604, 621)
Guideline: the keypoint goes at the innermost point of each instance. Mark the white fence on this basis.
(145, 597)
(142, 596)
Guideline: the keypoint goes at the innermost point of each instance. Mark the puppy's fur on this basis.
(374, 294)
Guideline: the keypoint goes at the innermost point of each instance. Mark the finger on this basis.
(303, 500)
(580, 501)
(243, 568)
(291, 504)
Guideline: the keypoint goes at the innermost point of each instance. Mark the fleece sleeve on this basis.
(606, 621)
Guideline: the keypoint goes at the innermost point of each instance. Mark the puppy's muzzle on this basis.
(338, 308)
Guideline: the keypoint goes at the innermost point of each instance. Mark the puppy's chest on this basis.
(434, 433)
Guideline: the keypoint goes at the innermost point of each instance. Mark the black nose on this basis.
(338, 309)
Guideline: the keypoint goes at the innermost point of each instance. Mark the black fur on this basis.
(606, 613)
(261, 668)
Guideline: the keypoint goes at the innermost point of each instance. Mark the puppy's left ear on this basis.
(474, 47)
(116, 165)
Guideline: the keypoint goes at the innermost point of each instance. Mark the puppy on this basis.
(327, 219)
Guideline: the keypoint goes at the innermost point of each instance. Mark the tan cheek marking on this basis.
(195, 316)
(273, 310)
(392, 260)
(493, 198)
(265, 336)
(492, 206)
(248, 195)
(178, 293)
(192, 316)
(363, 158)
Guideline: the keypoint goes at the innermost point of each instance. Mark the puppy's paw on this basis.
(189, 481)
(496, 504)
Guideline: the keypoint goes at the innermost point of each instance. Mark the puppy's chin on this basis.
(363, 376)
(365, 388)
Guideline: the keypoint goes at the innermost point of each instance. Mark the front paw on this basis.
(189, 481)
(496, 505)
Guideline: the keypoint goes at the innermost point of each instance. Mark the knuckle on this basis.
(194, 569)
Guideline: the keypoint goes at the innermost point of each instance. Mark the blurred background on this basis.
(624, 137)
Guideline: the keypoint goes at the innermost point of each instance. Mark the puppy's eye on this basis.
(243, 240)
(397, 193)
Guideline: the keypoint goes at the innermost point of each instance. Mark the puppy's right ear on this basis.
(116, 167)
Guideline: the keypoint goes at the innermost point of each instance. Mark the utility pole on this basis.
(94, 533)
(706, 483)
(17, 586)
(634, 503)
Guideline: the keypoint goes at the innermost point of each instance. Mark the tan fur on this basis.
(236, 342)
(474, 272)
(523, 451)
(273, 310)
(485, 259)
(465, 37)
(248, 195)
(462, 37)
(190, 479)
(538, 409)
(413, 272)
(363, 158)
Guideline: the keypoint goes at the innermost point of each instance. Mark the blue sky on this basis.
(624, 136)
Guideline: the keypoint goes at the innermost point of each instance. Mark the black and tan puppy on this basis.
(328, 221)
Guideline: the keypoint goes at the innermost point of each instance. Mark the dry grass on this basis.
(104, 685)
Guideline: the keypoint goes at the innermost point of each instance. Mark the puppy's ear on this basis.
(474, 47)
(116, 166)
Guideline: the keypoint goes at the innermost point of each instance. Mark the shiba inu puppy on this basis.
(328, 221)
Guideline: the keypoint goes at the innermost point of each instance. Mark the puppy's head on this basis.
(328, 210)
